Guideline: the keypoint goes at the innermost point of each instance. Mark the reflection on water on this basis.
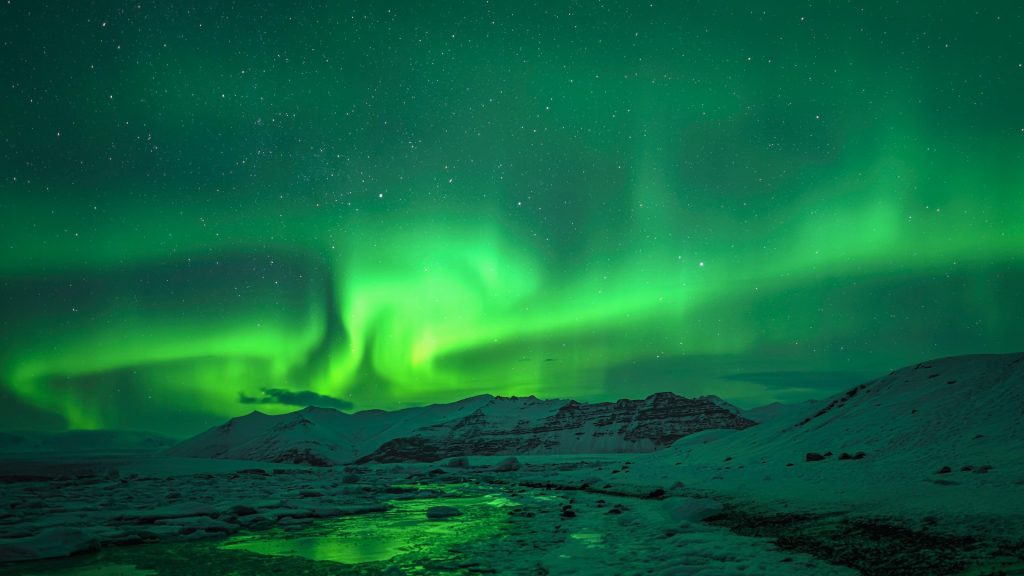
(381, 536)
(348, 550)
(590, 539)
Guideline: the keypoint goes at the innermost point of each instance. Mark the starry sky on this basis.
(213, 207)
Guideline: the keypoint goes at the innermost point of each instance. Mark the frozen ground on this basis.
(554, 515)
(367, 520)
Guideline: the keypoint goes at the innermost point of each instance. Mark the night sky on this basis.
(208, 208)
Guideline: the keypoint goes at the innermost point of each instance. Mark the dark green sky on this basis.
(206, 206)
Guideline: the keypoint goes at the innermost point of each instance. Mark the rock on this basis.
(813, 457)
(458, 462)
(859, 456)
(944, 470)
(656, 494)
(845, 456)
(510, 464)
(438, 512)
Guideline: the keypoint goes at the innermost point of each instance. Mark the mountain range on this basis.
(959, 409)
(480, 425)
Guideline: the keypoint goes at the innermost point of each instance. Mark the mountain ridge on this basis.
(482, 424)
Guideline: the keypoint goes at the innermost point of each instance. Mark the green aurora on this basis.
(390, 204)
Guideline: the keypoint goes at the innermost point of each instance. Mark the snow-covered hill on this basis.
(949, 430)
(941, 411)
(477, 425)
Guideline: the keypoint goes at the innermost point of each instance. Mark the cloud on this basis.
(290, 398)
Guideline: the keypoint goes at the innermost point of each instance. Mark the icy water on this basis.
(360, 544)
(403, 529)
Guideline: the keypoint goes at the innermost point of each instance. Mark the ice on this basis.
(49, 543)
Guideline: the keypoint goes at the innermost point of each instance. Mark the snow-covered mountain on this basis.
(478, 425)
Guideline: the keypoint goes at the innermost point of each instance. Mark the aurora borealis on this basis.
(206, 206)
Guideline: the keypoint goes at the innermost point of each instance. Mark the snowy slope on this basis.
(967, 407)
(949, 430)
(477, 425)
(777, 410)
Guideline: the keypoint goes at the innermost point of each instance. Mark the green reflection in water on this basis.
(404, 529)
(590, 539)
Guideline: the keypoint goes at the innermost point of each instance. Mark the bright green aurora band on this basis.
(207, 210)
